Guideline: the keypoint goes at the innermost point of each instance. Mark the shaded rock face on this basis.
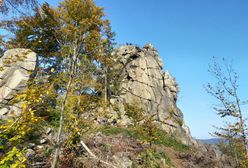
(145, 84)
(16, 67)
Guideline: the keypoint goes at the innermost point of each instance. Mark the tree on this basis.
(73, 43)
(83, 29)
(225, 90)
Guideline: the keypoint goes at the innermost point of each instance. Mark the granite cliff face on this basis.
(145, 84)
(16, 67)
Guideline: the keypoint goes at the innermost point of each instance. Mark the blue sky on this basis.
(187, 33)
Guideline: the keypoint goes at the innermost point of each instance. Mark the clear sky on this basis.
(187, 33)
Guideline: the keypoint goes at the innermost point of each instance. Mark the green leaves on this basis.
(14, 159)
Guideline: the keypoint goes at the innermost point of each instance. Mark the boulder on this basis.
(16, 67)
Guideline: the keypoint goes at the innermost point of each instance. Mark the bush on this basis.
(135, 113)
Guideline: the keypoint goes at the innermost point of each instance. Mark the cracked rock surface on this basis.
(145, 84)
(16, 67)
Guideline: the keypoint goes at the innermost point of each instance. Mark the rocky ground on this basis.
(126, 148)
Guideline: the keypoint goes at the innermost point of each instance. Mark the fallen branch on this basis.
(87, 149)
(94, 156)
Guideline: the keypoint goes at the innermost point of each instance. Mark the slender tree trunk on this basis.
(106, 85)
(58, 139)
(241, 121)
(242, 127)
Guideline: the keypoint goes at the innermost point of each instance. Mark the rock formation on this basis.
(145, 84)
(16, 67)
(142, 83)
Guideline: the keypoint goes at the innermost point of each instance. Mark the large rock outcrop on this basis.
(16, 66)
(145, 84)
